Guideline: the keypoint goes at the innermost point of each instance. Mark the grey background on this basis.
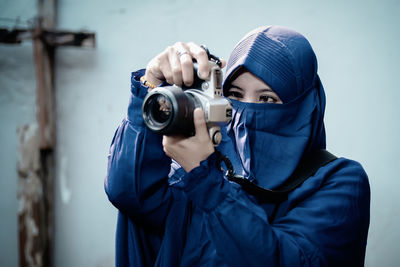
(356, 43)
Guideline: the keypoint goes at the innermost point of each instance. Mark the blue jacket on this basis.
(168, 217)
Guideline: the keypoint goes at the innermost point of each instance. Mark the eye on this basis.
(234, 94)
(267, 99)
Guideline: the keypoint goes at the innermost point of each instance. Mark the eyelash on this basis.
(267, 99)
(263, 98)
(235, 94)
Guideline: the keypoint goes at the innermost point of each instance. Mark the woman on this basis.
(185, 212)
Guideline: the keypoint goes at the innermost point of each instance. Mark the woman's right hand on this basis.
(175, 65)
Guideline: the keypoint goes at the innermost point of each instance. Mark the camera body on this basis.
(169, 110)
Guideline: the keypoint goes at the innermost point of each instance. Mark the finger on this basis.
(187, 70)
(186, 62)
(202, 59)
(223, 63)
(175, 64)
(200, 123)
(153, 73)
(165, 68)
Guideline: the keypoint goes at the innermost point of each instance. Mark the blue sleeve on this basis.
(323, 223)
(137, 176)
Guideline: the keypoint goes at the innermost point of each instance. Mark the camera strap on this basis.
(307, 167)
(212, 57)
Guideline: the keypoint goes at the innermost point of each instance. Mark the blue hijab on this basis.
(268, 140)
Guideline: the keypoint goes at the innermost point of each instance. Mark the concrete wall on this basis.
(356, 43)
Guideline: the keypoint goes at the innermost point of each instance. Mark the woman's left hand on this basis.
(190, 151)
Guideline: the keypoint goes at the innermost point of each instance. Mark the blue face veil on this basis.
(270, 139)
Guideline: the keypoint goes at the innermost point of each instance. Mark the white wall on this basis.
(356, 43)
(17, 107)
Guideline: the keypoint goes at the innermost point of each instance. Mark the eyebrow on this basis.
(258, 90)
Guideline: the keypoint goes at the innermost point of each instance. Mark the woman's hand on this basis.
(175, 65)
(189, 152)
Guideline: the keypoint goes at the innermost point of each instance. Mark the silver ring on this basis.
(181, 53)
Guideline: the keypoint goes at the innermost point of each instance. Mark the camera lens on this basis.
(169, 110)
(161, 109)
(158, 111)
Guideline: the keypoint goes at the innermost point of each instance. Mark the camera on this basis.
(169, 110)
